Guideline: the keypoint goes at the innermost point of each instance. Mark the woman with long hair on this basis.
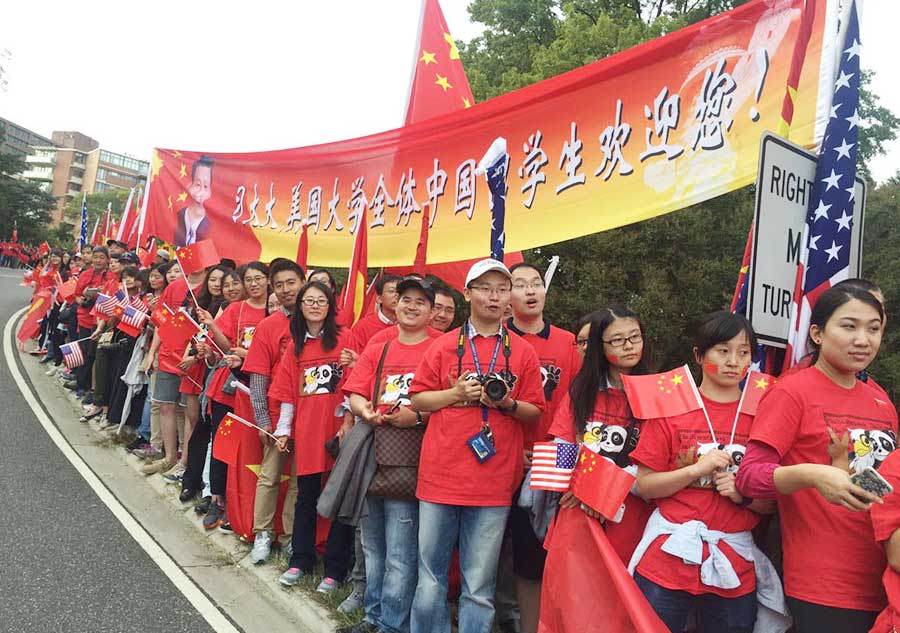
(595, 412)
(814, 430)
(307, 383)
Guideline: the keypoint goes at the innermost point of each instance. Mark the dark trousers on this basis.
(198, 446)
(339, 546)
(218, 471)
(84, 373)
(715, 614)
(815, 618)
(118, 390)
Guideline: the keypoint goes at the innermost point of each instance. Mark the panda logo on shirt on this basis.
(321, 379)
(610, 440)
(869, 448)
(735, 451)
(396, 388)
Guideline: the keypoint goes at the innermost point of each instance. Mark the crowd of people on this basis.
(419, 422)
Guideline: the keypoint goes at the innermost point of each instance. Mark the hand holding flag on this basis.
(599, 484)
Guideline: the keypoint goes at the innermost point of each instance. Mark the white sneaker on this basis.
(52, 371)
(262, 547)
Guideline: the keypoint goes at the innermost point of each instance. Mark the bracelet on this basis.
(745, 501)
(511, 410)
(420, 421)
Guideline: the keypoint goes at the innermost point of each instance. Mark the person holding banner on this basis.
(687, 464)
(595, 412)
(307, 384)
(813, 431)
(231, 333)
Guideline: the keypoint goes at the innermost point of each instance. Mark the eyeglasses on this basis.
(491, 290)
(619, 341)
(315, 303)
(253, 281)
(534, 285)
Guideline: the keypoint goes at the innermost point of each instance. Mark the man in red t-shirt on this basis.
(384, 316)
(89, 285)
(482, 385)
(272, 337)
(444, 308)
(559, 361)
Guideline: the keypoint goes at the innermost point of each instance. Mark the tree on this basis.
(96, 203)
(674, 268)
(23, 204)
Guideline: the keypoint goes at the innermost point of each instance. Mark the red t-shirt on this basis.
(238, 323)
(559, 361)
(391, 332)
(367, 327)
(396, 374)
(449, 473)
(173, 296)
(885, 521)
(830, 554)
(612, 432)
(91, 278)
(272, 337)
(312, 383)
(668, 444)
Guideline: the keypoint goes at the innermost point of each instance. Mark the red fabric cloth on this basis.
(312, 383)
(271, 339)
(367, 327)
(885, 521)
(396, 375)
(449, 473)
(670, 393)
(586, 586)
(173, 296)
(610, 410)
(794, 418)
(391, 331)
(90, 278)
(756, 478)
(668, 444)
(238, 323)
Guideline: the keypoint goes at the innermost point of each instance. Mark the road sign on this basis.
(783, 190)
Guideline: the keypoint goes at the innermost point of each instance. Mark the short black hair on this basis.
(129, 271)
(385, 280)
(203, 161)
(443, 289)
(859, 283)
(282, 264)
(516, 267)
(100, 249)
(719, 327)
(324, 271)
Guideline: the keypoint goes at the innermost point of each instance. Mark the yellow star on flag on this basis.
(442, 82)
(182, 197)
(427, 57)
(257, 468)
(182, 171)
(176, 154)
(762, 383)
(677, 379)
(454, 52)
(466, 103)
(155, 165)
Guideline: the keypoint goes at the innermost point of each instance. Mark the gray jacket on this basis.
(344, 495)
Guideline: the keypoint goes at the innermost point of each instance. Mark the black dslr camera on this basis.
(494, 385)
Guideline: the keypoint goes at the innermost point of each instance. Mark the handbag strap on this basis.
(378, 373)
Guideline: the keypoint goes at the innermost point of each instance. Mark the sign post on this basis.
(783, 191)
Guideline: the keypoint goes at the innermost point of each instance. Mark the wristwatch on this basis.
(419, 420)
(745, 501)
(510, 410)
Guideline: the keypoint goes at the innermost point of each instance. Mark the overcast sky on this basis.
(243, 76)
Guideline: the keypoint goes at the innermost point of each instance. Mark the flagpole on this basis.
(199, 327)
(740, 404)
(143, 216)
(125, 214)
(250, 424)
(690, 376)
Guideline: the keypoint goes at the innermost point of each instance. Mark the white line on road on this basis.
(158, 555)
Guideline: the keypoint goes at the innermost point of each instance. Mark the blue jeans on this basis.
(144, 428)
(715, 614)
(480, 533)
(390, 536)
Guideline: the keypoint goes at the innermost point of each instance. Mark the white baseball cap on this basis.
(485, 266)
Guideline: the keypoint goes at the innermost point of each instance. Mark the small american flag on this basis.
(133, 317)
(72, 356)
(552, 464)
(105, 304)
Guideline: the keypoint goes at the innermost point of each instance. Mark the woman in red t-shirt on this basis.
(308, 385)
(687, 464)
(595, 411)
(232, 332)
(813, 430)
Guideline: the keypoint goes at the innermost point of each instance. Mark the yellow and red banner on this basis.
(648, 131)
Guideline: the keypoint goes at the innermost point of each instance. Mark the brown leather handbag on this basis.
(396, 453)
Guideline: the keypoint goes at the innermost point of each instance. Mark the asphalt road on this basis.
(66, 563)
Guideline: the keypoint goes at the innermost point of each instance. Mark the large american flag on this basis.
(72, 356)
(552, 464)
(825, 258)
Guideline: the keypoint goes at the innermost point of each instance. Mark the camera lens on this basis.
(495, 388)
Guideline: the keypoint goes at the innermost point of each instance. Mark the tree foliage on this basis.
(674, 268)
(96, 204)
(23, 204)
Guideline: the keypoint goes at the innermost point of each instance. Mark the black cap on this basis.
(116, 243)
(416, 282)
(129, 258)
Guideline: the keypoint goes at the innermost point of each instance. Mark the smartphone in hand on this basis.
(870, 481)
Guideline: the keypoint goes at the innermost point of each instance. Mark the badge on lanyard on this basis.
(482, 444)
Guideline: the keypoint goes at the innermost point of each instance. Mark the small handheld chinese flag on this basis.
(43, 249)
(755, 388)
(176, 329)
(227, 441)
(67, 289)
(197, 256)
(31, 325)
(599, 484)
(662, 395)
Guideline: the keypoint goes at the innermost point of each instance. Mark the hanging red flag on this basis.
(582, 562)
(662, 395)
(355, 290)
(303, 248)
(31, 325)
(197, 256)
(43, 249)
(755, 387)
(66, 290)
(599, 484)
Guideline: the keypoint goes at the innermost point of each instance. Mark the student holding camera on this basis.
(481, 383)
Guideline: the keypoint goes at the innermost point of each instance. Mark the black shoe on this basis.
(71, 385)
(188, 494)
(360, 627)
(225, 526)
(135, 444)
(203, 507)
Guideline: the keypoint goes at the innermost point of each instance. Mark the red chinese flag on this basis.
(197, 256)
(175, 330)
(662, 395)
(355, 290)
(43, 249)
(303, 248)
(581, 562)
(227, 442)
(754, 388)
(31, 326)
(599, 484)
(66, 290)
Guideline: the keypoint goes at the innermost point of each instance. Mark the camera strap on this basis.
(502, 342)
